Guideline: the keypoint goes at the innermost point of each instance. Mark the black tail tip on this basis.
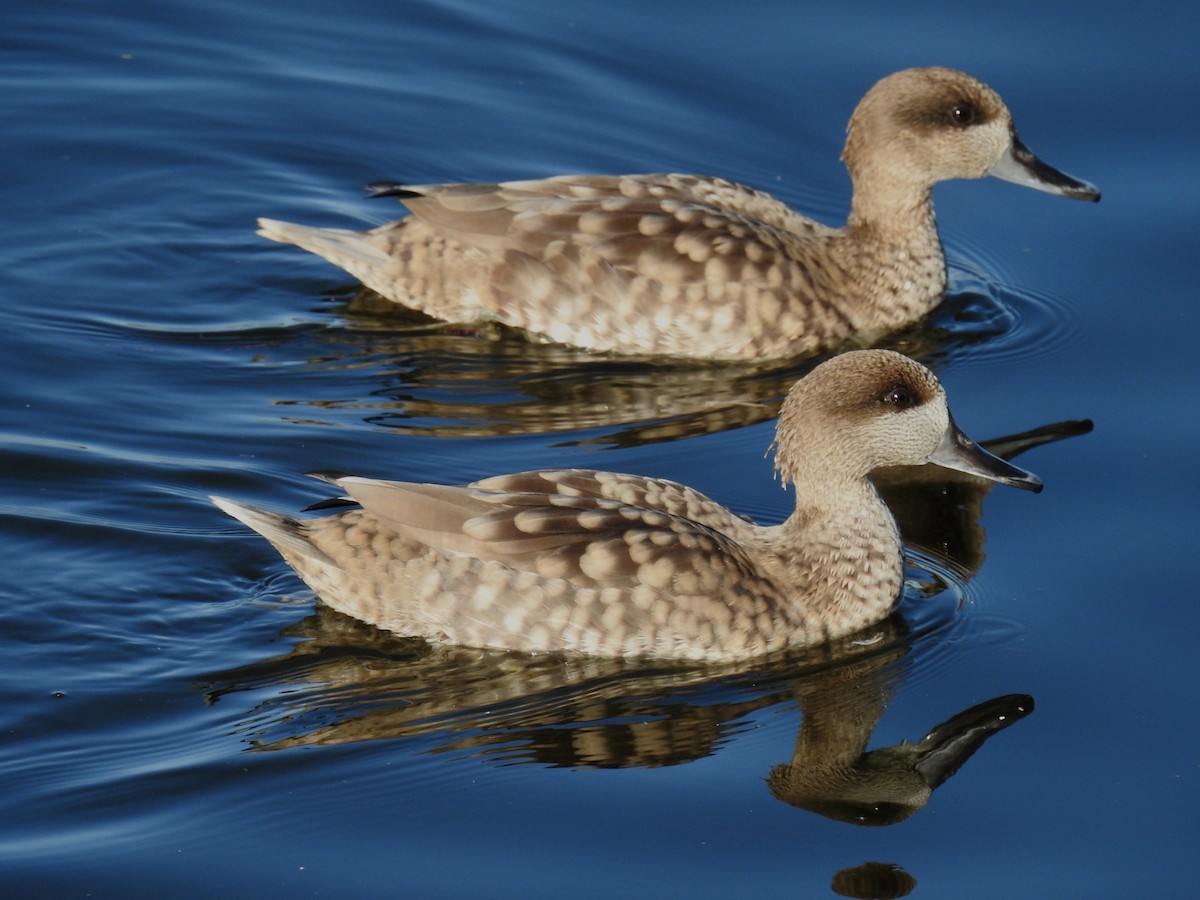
(387, 189)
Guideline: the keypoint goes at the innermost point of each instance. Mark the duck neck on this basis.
(890, 207)
(846, 557)
(904, 275)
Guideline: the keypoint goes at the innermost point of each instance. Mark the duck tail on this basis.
(345, 248)
(288, 535)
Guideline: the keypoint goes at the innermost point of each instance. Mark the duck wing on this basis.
(633, 490)
(571, 525)
(636, 263)
(589, 208)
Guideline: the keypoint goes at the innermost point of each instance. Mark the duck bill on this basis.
(943, 751)
(959, 452)
(1020, 166)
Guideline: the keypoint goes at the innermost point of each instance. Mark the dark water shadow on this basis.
(873, 881)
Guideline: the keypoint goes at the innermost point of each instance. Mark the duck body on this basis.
(623, 565)
(655, 265)
(593, 562)
(689, 266)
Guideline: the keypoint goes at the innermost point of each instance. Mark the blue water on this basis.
(180, 718)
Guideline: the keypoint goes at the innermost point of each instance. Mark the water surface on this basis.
(181, 718)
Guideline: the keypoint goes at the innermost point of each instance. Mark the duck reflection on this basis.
(939, 510)
(441, 380)
(346, 682)
(832, 773)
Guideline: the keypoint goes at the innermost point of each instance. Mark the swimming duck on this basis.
(623, 565)
(687, 266)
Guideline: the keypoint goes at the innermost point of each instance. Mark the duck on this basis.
(671, 265)
(620, 565)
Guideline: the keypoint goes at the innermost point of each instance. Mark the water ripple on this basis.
(990, 322)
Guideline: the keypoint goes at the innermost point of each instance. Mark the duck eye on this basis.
(963, 114)
(899, 398)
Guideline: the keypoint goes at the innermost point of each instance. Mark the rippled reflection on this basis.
(452, 381)
(346, 682)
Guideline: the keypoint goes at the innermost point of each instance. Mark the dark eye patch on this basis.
(947, 109)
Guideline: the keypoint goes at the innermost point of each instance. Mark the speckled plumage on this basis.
(682, 265)
(621, 565)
